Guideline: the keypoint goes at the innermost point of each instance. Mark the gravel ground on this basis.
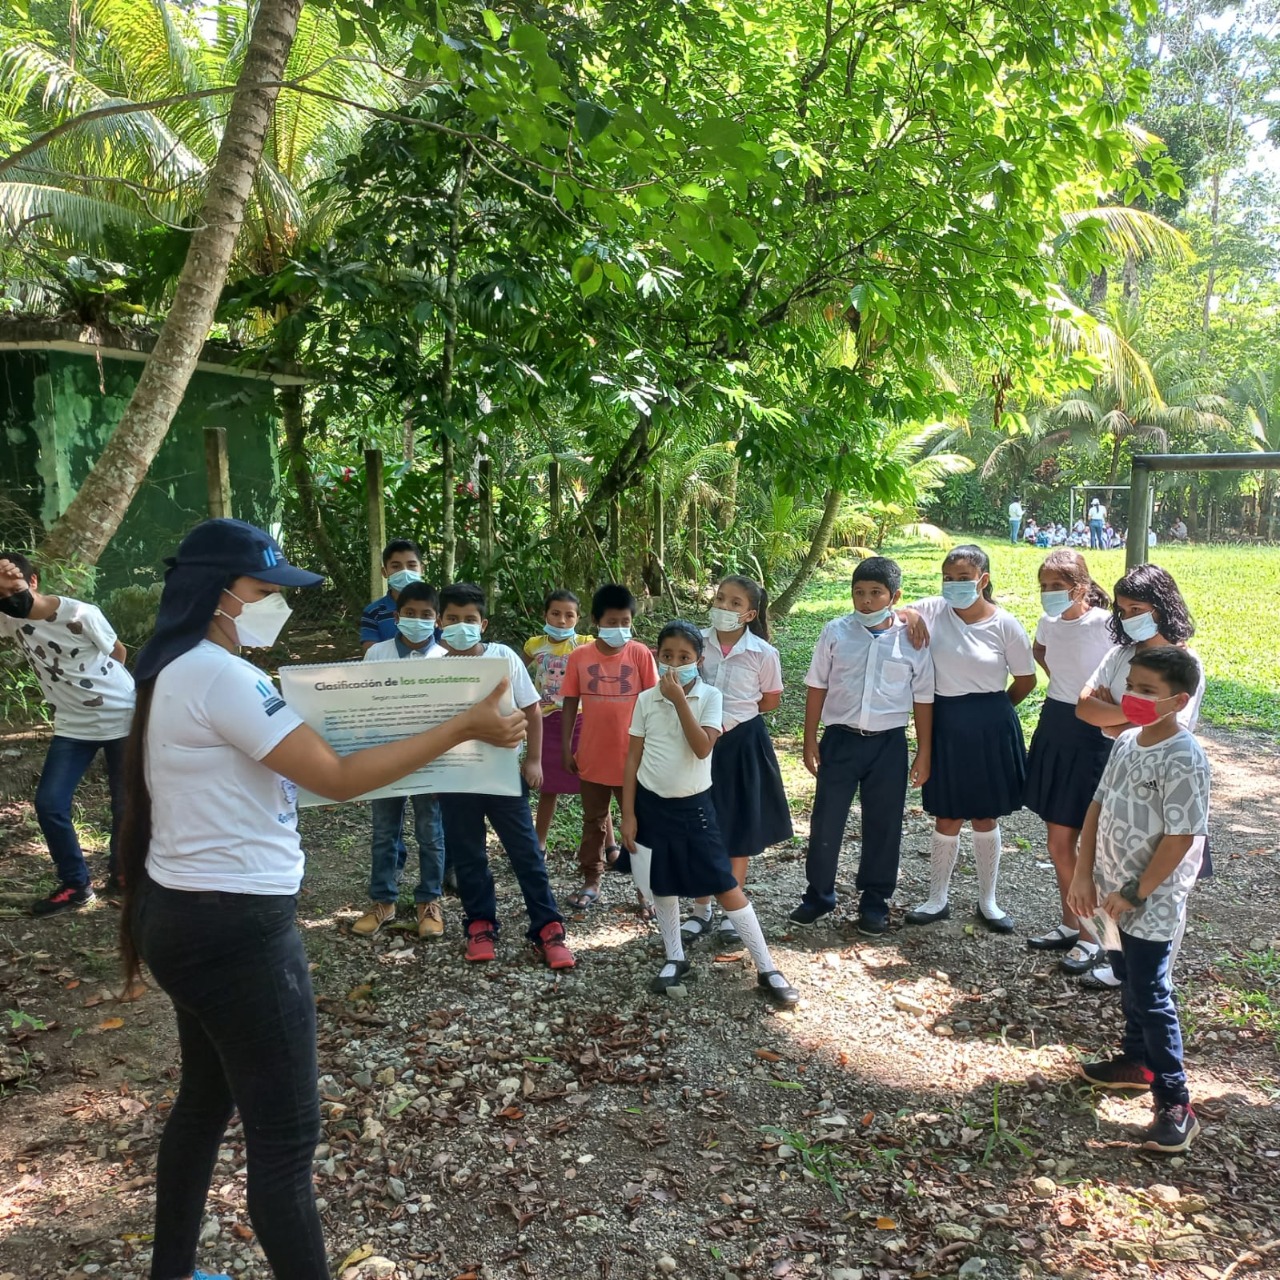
(915, 1115)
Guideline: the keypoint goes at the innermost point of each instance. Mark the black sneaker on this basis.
(1118, 1073)
(661, 984)
(806, 914)
(113, 888)
(66, 897)
(872, 924)
(1174, 1127)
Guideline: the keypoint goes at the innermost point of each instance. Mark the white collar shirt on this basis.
(744, 675)
(871, 678)
(668, 767)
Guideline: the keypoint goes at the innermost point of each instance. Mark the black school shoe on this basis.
(807, 914)
(996, 924)
(660, 985)
(872, 924)
(783, 996)
(66, 897)
(1173, 1129)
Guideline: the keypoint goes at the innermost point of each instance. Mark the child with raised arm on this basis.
(668, 818)
(1140, 852)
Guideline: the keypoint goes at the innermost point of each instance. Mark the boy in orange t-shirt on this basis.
(603, 679)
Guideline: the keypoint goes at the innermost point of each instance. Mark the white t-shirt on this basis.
(974, 658)
(386, 651)
(744, 675)
(1072, 651)
(1113, 674)
(1147, 793)
(669, 767)
(220, 820)
(1097, 512)
(871, 677)
(90, 692)
(522, 687)
(1015, 510)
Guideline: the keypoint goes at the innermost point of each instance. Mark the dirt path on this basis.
(915, 1115)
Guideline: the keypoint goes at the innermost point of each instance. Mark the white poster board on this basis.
(364, 704)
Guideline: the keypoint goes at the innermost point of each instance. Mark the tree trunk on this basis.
(1130, 278)
(448, 529)
(817, 549)
(448, 525)
(488, 553)
(1098, 289)
(84, 529)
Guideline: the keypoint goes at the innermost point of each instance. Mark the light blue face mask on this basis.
(417, 630)
(687, 674)
(1142, 626)
(874, 619)
(960, 595)
(401, 579)
(1055, 603)
(557, 633)
(615, 637)
(461, 636)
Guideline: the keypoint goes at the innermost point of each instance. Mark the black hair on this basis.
(1176, 666)
(422, 592)
(1150, 584)
(21, 563)
(613, 595)
(464, 593)
(564, 594)
(400, 544)
(879, 569)
(973, 555)
(685, 630)
(1070, 564)
(759, 598)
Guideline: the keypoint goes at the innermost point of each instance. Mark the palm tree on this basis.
(1257, 391)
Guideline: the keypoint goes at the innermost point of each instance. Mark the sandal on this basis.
(584, 899)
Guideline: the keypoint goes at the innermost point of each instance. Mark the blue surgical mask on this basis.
(401, 579)
(462, 636)
(417, 630)
(1055, 603)
(1142, 626)
(615, 637)
(558, 633)
(873, 619)
(960, 595)
(687, 674)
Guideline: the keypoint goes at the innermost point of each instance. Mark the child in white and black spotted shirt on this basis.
(1140, 851)
(80, 665)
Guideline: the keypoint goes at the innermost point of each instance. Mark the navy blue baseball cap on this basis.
(242, 549)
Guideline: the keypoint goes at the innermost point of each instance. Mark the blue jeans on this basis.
(1014, 526)
(234, 967)
(1096, 528)
(65, 765)
(1151, 1032)
(464, 818)
(388, 840)
(876, 765)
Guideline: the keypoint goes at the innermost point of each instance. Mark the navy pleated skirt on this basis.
(689, 856)
(746, 787)
(979, 759)
(1064, 765)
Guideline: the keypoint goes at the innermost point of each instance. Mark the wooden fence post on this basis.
(217, 472)
(377, 518)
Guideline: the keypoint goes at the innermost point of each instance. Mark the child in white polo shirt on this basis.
(864, 682)
(80, 665)
(668, 819)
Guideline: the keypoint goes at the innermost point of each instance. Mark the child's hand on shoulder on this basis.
(670, 687)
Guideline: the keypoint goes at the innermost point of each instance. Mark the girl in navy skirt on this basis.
(668, 820)
(979, 760)
(1067, 754)
(746, 783)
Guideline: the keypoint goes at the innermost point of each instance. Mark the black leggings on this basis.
(234, 967)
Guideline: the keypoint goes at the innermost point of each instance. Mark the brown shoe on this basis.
(430, 920)
(373, 919)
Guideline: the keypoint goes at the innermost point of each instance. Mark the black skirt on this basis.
(979, 763)
(1064, 765)
(746, 787)
(689, 857)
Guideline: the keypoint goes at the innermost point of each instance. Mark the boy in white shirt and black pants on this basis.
(1140, 853)
(80, 664)
(864, 682)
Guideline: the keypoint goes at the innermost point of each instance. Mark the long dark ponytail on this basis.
(759, 598)
(135, 829)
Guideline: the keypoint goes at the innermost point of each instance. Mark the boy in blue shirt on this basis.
(401, 565)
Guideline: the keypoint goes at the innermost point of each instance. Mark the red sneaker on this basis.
(480, 940)
(551, 944)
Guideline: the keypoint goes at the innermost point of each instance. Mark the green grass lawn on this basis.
(1233, 594)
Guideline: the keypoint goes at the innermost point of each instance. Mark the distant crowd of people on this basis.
(1096, 532)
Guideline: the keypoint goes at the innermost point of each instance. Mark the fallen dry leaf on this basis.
(768, 1055)
(358, 1254)
(111, 1024)
(886, 1224)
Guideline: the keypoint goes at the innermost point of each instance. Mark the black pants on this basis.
(876, 765)
(234, 967)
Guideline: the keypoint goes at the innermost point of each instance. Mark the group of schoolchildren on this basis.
(1056, 534)
(682, 746)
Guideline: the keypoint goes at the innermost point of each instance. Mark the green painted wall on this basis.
(57, 411)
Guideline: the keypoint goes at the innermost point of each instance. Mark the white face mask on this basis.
(726, 619)
(259, 622)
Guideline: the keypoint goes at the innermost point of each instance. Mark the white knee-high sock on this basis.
(641, 858)
(942, 862)
(668, 912)
(747, 924)
(986, 856)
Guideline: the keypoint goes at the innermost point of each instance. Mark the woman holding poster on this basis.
(212, 863)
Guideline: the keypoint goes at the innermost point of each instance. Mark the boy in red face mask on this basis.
(1140, 850)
